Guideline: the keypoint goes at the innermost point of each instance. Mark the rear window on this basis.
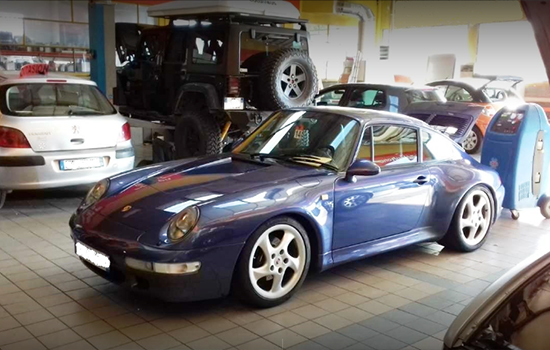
(428, 95)
(49, 100)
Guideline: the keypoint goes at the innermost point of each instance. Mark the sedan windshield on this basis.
(54, 99)
(307, 137)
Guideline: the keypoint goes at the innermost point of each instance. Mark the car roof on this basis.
(367, 115)
(401, 86)
(12, 77)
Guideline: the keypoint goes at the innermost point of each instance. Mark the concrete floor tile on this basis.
(109, 340)
(310, 329)
(285, 338)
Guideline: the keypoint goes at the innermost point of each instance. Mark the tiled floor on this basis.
(400, 300)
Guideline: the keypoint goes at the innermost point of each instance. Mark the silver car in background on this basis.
(57, 131)
(513, 313)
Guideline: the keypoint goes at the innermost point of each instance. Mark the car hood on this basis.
(446, 116)
(152, 200)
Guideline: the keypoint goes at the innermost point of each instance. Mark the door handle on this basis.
(421, 180)
(77, 141)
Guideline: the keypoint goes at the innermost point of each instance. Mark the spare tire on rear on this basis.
(288, 79)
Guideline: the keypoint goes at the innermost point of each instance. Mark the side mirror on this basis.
(362, 167)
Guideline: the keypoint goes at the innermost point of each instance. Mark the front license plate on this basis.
(233, 103)
(85, 163)
(92, 256)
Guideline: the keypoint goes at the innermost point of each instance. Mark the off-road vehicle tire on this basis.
(197, 134)
(288, 79)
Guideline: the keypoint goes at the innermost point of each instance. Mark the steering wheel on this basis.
(455, 97)
(327, 151)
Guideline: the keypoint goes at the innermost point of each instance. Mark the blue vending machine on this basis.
(514, 145)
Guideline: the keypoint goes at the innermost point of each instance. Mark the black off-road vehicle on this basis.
(214, 76)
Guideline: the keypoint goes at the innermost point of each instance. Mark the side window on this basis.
(330, 98)
(458, 94)
(177, 50)
(365, 148)
(371, 98)
(394, 145)
(150, 47)
(496, 95)
(437, 147)
(208, 49)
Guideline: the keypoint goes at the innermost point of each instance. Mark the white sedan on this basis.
(57, 131)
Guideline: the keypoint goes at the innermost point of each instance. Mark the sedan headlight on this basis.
(182, 223)
(95, 194)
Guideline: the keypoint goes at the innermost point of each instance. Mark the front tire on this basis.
(273, 263)
(197, 134)
(473, 141)
(471, 222)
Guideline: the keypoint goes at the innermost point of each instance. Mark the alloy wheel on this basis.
(471, 141)
(293, 81)
(476, 217)
(277, 261)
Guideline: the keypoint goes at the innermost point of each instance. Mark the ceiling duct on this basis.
(363, 13)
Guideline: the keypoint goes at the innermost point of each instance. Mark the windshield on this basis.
(310, 137)
(427, 95)
(54, 99)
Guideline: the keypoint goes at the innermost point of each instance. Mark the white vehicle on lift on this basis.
(57, 131)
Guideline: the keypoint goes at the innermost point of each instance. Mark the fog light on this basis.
(174, 269)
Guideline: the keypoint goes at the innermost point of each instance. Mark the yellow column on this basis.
(473, 39)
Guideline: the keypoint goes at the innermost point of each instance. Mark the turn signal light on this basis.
(12, 138)
(125, 133)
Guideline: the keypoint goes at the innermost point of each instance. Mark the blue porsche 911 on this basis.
(308, 190)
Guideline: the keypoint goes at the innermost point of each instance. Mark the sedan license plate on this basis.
(85, 163)
(233, 103)
(92, 256)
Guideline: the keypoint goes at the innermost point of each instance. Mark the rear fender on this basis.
(209, 97)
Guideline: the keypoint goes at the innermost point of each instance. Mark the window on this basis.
(437, 147)
(256, 48)
(428, 95)
(330, 98)
(365, 147)
(371, 99)
(37, 100)
(209, 49)
(458, 94)
(496, 95)
(150, 47)
(328, 138)
(394, 145)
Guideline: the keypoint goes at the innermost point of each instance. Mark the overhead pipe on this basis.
(362, 12)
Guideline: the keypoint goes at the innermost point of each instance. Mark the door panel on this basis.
(387, 204)
(379, 206)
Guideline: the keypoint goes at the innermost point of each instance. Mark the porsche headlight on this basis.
(182, 223)
(95, 194)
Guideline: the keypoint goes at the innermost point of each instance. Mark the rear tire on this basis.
(288, 79)
(471, 222)
(473, 141)
(197, 134)
(266, 279)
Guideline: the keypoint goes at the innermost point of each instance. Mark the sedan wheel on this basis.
(472, 221)
(473, 141)
(274, 263)
(476, 217)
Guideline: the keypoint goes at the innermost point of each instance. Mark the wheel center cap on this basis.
(278, 261)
